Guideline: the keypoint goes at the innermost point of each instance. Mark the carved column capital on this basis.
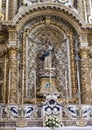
(84, 52)
(12, 49)
(83, 39)
(13, 37)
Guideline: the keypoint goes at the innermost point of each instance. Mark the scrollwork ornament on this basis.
(84, 52)
(61, 1)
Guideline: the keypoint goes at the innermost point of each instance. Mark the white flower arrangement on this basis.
(53, 122)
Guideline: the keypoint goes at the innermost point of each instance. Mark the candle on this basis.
(18, 94)
(27, 41)
(0, 6)
(90, 17)
(7, 2)
(22, 101)
(9, 85)
(22, 85)
(35, 85)
(90, 7)
(91, 78)
(4, 79)
(66, 86)
(69, 70)
(50, 71)
(24, 2)
(85, 10)
(78, 78)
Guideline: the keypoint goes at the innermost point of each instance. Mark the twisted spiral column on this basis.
(12, 76)
(85, 76)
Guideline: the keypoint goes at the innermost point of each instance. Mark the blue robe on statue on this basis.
(46, 54)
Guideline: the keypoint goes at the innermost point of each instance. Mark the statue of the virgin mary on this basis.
(47, 56)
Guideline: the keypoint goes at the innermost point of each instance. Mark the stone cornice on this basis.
(25, 11)
(56, 6)
(70, 15)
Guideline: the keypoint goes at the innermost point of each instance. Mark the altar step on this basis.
(38, 123)
(45, 128)
(63, 128)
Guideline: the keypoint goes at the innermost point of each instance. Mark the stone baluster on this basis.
(85, 76)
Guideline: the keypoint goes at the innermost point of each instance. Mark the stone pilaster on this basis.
(12, 58)
(3, 62)
(73, 71)
(14, 7)
(85, 76)
(79, 7)
(12, 88)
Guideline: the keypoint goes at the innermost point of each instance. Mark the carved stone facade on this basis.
(45, 51)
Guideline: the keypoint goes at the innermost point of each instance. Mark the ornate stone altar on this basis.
(45, 63)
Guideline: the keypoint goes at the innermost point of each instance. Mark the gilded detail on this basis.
(85, 76)
(12, 76)
(45, 63)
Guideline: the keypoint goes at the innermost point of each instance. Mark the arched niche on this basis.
(36, 43)
(64, 39)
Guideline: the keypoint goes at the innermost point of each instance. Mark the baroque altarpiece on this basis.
(45, 62)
